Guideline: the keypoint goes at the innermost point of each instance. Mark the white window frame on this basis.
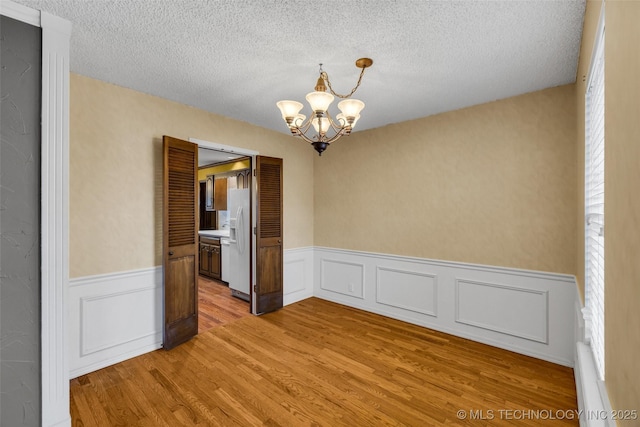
(594, 202)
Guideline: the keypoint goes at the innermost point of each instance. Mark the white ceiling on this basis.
(238, 58)
(207, 156)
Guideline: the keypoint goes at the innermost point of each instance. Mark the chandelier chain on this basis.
(325, 77)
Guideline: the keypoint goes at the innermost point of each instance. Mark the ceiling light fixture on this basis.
(320, 120)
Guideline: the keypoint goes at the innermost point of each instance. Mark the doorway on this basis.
(255, 229)
(224, 183)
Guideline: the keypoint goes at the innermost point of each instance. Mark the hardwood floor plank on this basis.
(319, 363)
(80, 406)
(216, 305)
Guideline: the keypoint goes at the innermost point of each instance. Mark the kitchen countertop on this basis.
(214, 233)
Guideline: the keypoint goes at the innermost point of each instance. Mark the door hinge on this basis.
(254, 172)
(255, 288)
(255, 230)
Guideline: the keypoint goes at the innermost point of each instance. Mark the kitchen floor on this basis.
(216, 306)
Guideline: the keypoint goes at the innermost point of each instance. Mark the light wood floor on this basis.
(216, 306)
(318, 363)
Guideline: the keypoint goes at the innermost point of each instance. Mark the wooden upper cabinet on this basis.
(243, 178)
(240, 180)
(209, 193)
(220, 194)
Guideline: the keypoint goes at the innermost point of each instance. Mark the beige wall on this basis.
(116, 173)
(491, 184)
(622, 203)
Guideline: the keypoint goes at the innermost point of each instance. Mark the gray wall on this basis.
(20, 80)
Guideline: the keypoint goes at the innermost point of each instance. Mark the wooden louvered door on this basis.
(180, 241)
(268, 287)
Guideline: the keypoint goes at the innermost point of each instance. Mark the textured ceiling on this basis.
(238, 58)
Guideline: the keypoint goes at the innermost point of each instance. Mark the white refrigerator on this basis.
(239, 238)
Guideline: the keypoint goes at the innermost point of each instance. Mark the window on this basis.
(594, 203)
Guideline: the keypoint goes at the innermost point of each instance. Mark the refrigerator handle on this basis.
(240, 229)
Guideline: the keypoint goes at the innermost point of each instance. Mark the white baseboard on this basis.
(113, 317)
(528, 312)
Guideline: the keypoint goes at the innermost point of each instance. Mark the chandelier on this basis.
(326, 128)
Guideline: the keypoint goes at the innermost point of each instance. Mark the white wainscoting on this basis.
(408, 290)
(117, 316)
(341, 277)
(528, 312)
(113, 317)
(511, 310)
(298, 274)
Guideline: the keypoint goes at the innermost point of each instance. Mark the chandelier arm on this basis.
(335, 125)
(305, 137)
(305, 126)
(325, 77)
(301, 131)
(336, 136)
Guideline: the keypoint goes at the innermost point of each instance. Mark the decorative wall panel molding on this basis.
(509, 310)
(114, 317)
(409, 290)
(529, 312)
(93, 311)
(298, 274)
(346, 278)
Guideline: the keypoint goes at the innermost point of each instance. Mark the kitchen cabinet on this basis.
(242, 178)
(210, 258)
(220, 194)
(215, 194)
(209, 193)
(207, 218)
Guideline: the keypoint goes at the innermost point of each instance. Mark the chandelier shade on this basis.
(351, 107)
(319, 101)
(321, 125)
(326, 128)
(289, 108)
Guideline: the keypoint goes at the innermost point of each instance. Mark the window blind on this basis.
(594, 205)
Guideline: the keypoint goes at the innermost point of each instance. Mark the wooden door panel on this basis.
(180, 270)
(176, 332)
(269, 257)
(180, 241)
(270, 273)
